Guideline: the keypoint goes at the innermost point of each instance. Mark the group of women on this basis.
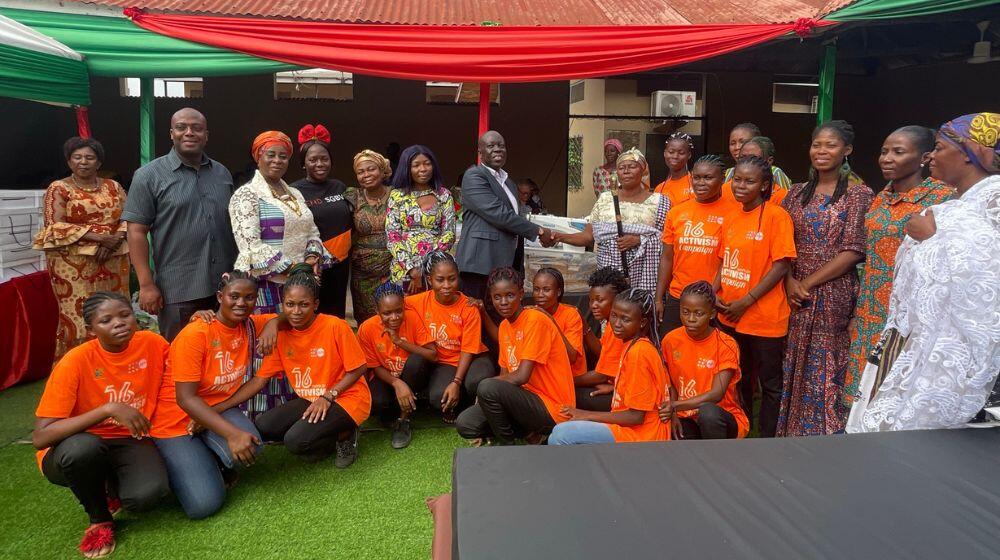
(747, 291)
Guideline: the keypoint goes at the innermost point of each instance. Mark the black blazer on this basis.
(490, 227)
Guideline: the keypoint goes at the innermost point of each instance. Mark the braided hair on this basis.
(682, 137)
(644, 300)
(765, 144)
(434, 258)
(387, 289)
(302, 274)
(845, 132)
(505, 274)
(229, 278)
(96, 299)
(701, 288)
(557, 276)
(712, 160)
(767, 176)
(608, 276)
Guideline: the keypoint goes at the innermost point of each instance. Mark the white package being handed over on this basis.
(20, 220)
(575, 263)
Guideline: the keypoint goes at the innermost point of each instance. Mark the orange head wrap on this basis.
(265, 140)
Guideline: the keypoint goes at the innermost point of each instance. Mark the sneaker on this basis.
(401, 433)
(347, 451)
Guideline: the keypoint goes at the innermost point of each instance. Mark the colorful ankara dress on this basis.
(272, 234)
(884, 223)
(816, 354)
(370, 259)
(70, 212)
(412, 231)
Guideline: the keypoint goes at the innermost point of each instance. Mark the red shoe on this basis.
(98, 540)
(114, 505)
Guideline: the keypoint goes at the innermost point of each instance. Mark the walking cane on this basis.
(618, 222)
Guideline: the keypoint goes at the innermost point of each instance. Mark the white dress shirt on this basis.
(501, 177)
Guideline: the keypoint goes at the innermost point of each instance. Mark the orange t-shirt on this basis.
(693, 364)
(379, 349)
(210, 354)
(317, 358)
(89, 376)
(676, 190)
(571, 324)
(747, 251)
(694, 229)
(455, 328)
(532, 336)
(641, 385)
(778, 193)
(611, 353)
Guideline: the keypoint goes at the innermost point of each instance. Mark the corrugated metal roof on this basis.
(506, 12)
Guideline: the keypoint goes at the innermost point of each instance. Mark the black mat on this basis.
(928, 494)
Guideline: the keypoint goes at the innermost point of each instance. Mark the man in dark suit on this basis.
(493, 223)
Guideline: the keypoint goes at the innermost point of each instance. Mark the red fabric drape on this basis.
(465, 54)
(82, 122)
(28, 330)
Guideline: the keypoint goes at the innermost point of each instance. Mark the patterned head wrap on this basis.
(616, 143)
(633, 154)
(265, 140)
(978, 135)
(376, 158)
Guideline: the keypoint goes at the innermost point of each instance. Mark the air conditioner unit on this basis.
(673, 104)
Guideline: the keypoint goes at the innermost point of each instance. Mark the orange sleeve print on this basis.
(416, 332)
(534, 337)
(187, 352)
(368, 334)
(570, 323)
(783, 237)
(472, 334)
(347, 344)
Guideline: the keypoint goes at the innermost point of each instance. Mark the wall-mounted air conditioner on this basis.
(673, 104)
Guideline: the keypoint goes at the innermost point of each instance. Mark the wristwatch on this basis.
(333, 394)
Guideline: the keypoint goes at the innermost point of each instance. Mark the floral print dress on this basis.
(412, 231)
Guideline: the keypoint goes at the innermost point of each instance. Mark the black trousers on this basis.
(712, 422)
(504, 411)
(671, 315)
(88, 464)
(600, 403)
(333, 289)
(419, 375)
(175, 316)
(761, 362)
(313, 441)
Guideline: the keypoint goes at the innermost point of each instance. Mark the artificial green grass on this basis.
(17, 411)
(282, 508)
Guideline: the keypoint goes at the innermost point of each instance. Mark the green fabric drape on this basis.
(888, 9)
(827, 77)
(116, 47)
(37, 76)
(147, 141)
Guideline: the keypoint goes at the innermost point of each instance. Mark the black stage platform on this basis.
(908, 495)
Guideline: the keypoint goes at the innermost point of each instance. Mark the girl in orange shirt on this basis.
(547, 291)
(677, 153)
(703, 364)
(93, 419)
(639, 387)
(201, 434)
(455, 325)
(756, 253)
(535, 382)
(594, 388)
(402, 357)
(325, 365)
(691, 236)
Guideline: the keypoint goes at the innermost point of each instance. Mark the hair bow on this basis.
(310, 132)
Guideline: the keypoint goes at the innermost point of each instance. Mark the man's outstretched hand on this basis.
(545, 237)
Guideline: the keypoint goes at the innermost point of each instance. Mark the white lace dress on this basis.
(946, 302)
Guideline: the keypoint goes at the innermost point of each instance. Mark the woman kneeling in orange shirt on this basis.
(401, 355)
(197, 426)
(639, 387)
(594, 388)
(535, 382)
(325, 364)
(704, 367)
(93, 419)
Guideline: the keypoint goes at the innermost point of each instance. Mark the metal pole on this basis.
(484, 109)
